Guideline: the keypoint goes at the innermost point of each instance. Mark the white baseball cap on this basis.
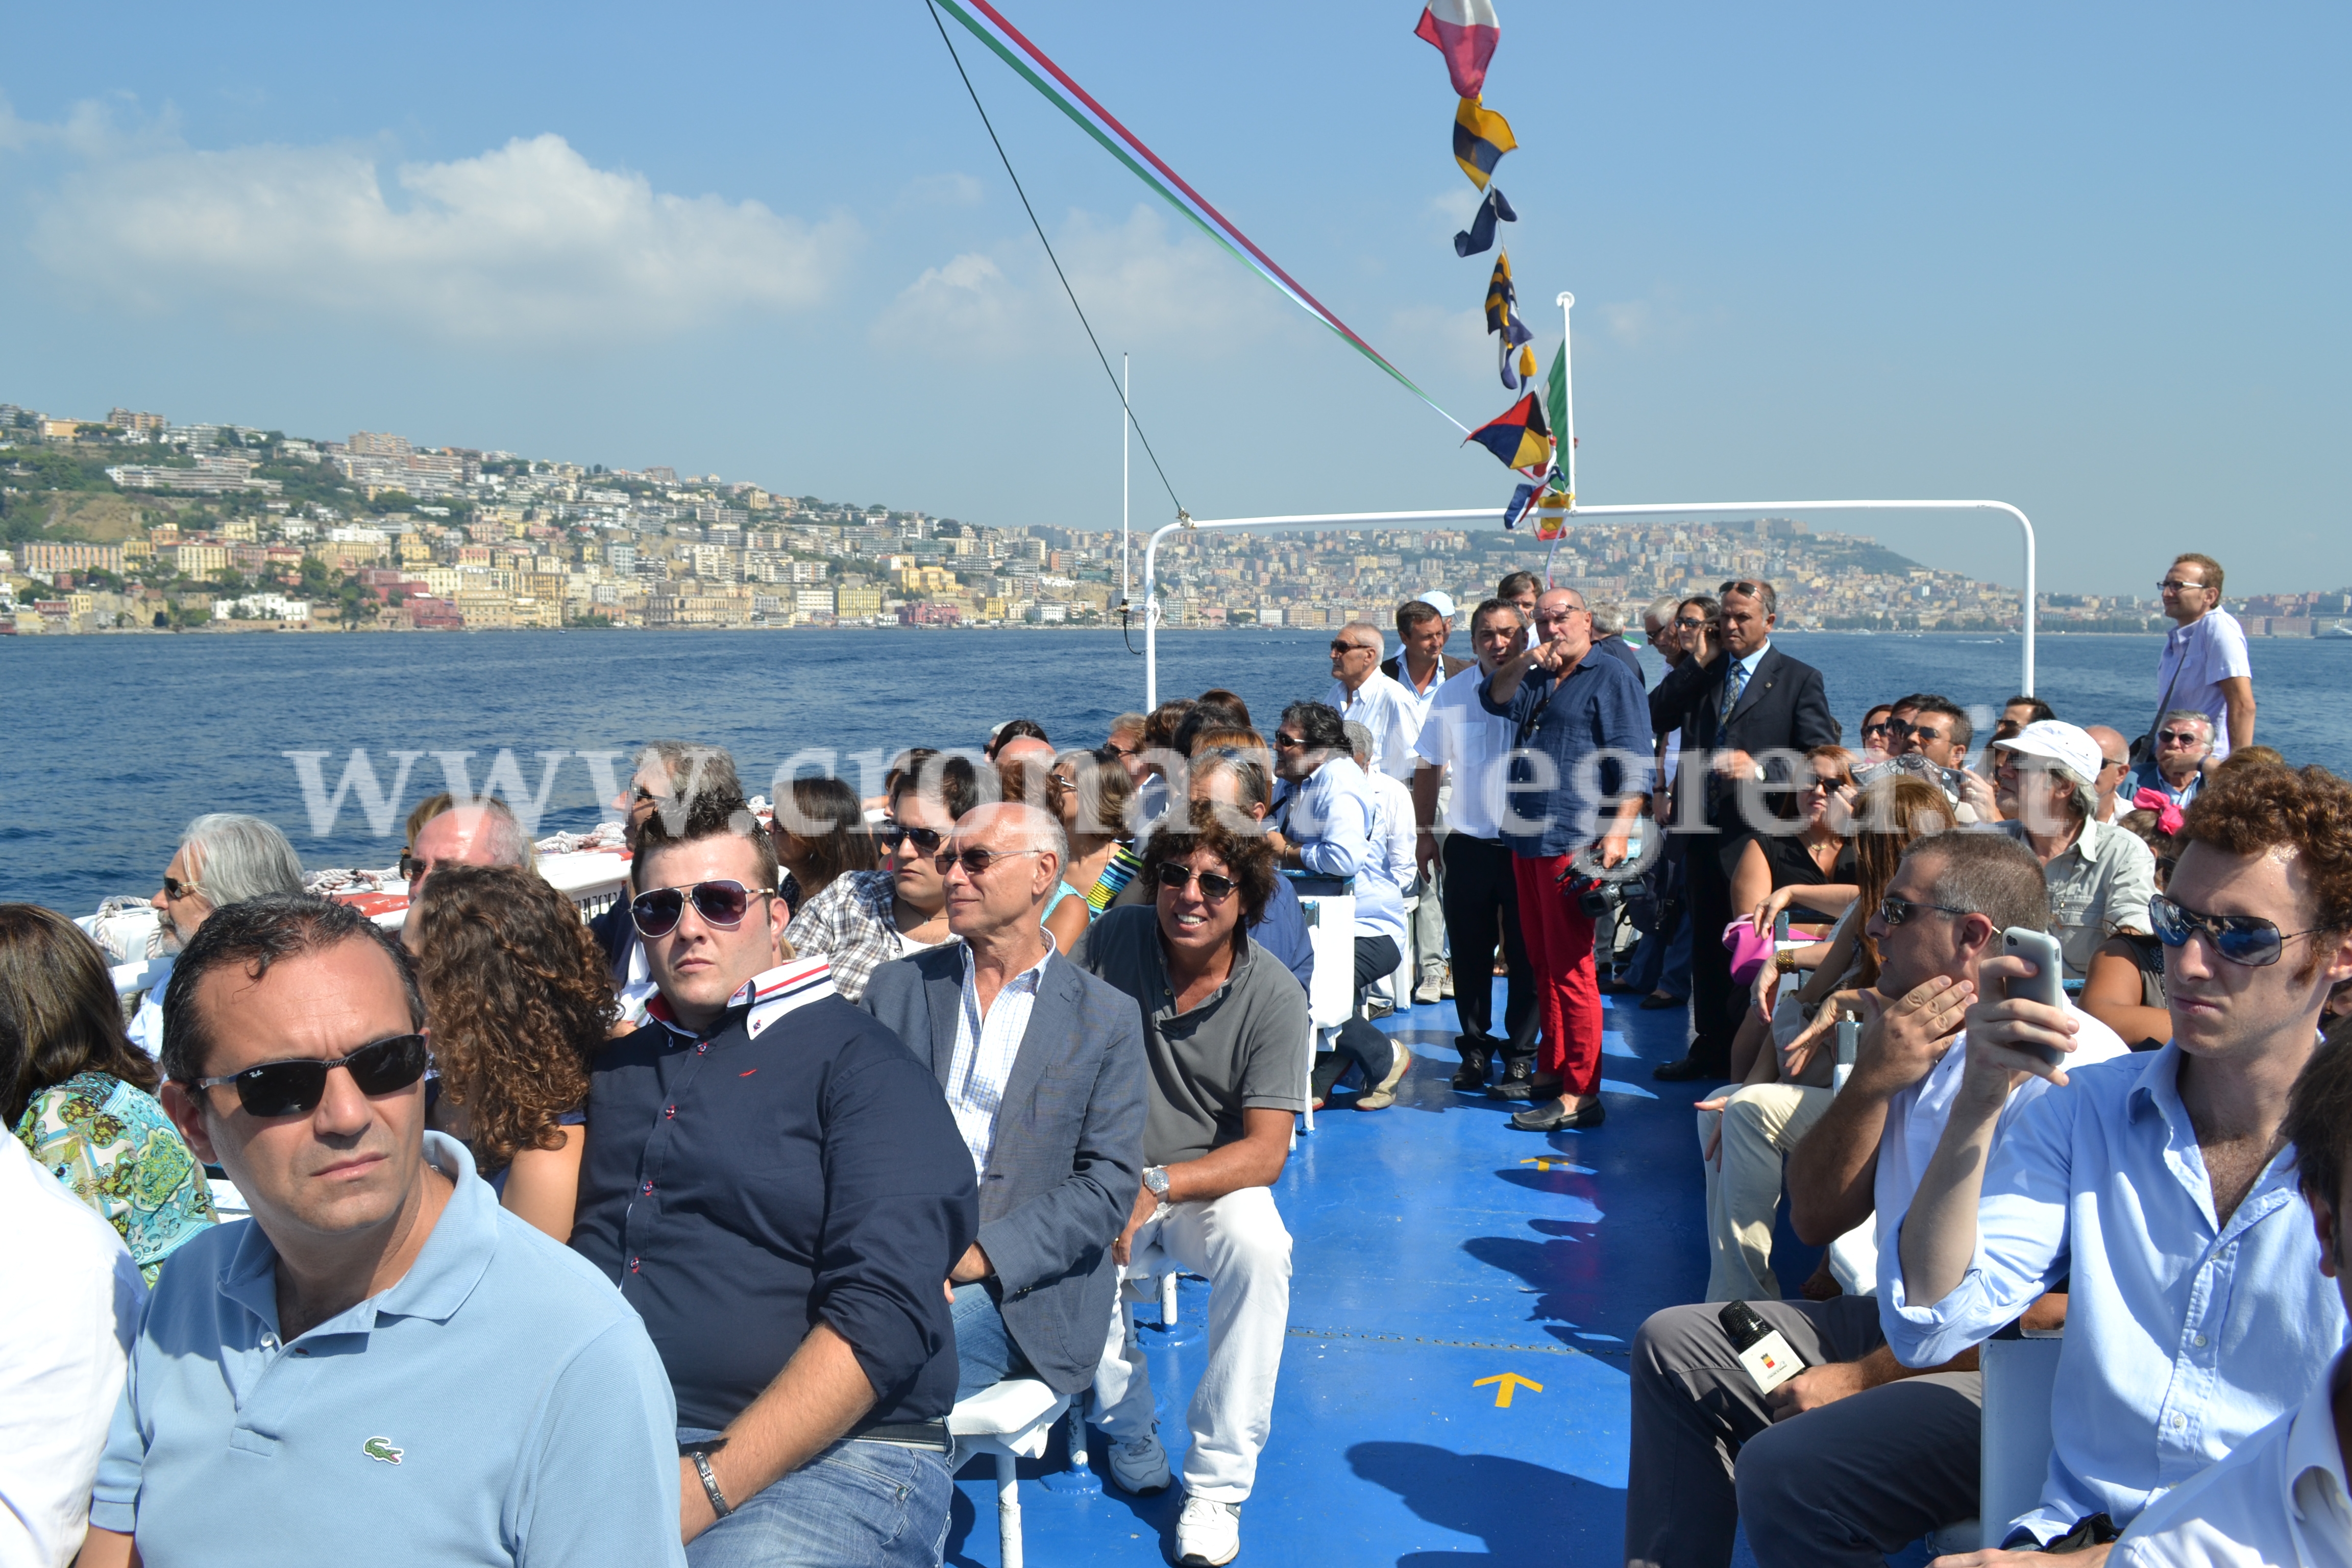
(1441, 603)
(2068, 746)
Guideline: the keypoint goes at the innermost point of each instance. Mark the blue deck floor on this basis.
(1430, 1253)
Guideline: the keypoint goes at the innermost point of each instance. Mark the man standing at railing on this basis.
(1737, 698)
(2161, 1186)
(1581, 747)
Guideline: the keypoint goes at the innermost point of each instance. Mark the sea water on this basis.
(115, 742)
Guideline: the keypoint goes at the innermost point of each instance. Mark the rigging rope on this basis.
(1134, 423)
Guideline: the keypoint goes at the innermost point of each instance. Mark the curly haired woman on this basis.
(519, 1000)
(81, 1097)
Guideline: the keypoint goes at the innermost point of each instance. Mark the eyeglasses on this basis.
(657, 911)
(1691, 622)
(927, 840)
(1118, 752)
(1830, 783)
(2176, 737)
(2248, 940)
(1893, 911)
(976, 862)
(289, 1089)
(2115, 763)
(2175, 585)
(1878, 729)
(1925, 732)
(1174, 877)
(175, 890)
(1351, 647)
(1287, 742)
(1898, 726)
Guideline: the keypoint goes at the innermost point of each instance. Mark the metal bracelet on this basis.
(719, 1503)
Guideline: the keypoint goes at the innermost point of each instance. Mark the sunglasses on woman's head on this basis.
(1214, 889)
(927, 840)
(290, 1089)
(657, 912)
(2248, 940)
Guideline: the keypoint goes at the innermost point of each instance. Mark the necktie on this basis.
(1734, 683)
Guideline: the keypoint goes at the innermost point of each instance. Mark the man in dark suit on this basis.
(1735, 699)
(1043, 1069)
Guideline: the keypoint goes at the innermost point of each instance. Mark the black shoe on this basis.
(1517, 1082)
(1554, 1116)
(1685, 1070)
(1470, 1075)
(1658, 1001)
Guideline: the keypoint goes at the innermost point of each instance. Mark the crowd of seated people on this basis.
(700, 1217)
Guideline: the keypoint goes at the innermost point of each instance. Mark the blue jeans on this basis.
(985, 1353)
(855, 1505)
(1663, 960)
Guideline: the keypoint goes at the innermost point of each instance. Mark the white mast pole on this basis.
(1568, 375)
(1124, 446)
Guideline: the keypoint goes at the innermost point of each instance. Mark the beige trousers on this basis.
(1762, 1123)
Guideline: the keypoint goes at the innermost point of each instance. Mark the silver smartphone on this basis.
(2046, 984)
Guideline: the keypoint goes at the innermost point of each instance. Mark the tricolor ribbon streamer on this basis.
(988, 25)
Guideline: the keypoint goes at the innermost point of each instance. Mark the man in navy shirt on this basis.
(1581, 749)
(778, 1187)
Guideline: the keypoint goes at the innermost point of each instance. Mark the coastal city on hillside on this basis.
(132, 522)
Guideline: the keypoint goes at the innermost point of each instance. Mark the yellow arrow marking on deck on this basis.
(1545, 1162)
(1508, 1383)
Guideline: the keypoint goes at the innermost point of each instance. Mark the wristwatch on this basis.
(1155, 1181)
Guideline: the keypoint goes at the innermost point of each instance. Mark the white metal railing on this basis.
(1324, 522)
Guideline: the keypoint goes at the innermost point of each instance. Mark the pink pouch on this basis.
(1750, 950)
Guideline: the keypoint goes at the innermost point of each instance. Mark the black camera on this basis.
(1597, 896)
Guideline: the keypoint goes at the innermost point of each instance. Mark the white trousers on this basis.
(1238, 1242)
(1760, 1125)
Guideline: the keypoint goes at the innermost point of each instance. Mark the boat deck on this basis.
(1433, 1252)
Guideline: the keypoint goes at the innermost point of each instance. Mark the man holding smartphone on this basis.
(1858, 1453)
(2161, 1186)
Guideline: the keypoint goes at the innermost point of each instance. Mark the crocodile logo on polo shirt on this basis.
(381, 1449)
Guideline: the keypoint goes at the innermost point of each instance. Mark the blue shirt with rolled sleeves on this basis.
(2185, 1334)
(500, 1405)
(794, 1164)
(1586, 741)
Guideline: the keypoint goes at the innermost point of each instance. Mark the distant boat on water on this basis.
(2340, 629)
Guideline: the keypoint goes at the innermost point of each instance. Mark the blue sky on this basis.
(2088, 259)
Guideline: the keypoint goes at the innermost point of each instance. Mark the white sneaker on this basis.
(1430, 989)
(1140, 1465)
(1208, 1532)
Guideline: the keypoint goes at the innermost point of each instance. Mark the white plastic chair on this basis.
(1331, 932)
(1014, 1420)
(2014, 1452)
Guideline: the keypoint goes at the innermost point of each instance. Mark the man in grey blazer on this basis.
(1044, 1069)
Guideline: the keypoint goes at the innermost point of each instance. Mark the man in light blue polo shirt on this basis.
(382, 1366)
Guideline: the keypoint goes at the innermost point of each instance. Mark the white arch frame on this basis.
(1340, 520)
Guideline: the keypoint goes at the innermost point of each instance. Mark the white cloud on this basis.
(528, 241)
(931, 191)
(1141, 285)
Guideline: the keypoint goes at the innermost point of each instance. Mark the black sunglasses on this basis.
(657, 911)
(289, 1089)
(175, 890)
(1893, 911)
(2248, 940)
(1283, 743)
(976, 862)
(1214, 889)
(927, 840)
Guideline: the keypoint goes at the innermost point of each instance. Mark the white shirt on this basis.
(1394, 829)
(984, 1050)
(70, 1301)
(2279, 1498)
(2206, 652)
(1914, 1125)
(1470, 743)
(1420, 698)
(1386, 708)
